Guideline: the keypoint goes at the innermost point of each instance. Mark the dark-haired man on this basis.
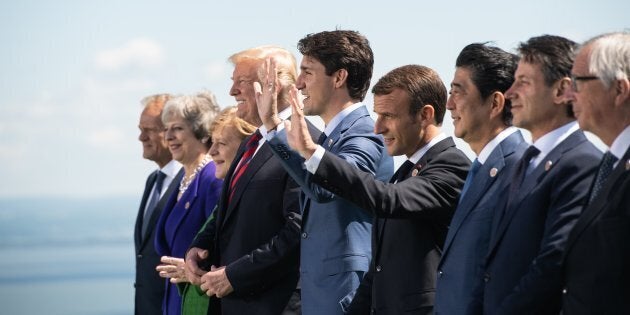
(482, 118)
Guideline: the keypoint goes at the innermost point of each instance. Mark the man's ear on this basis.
(427, 114)
(497, 103)
(341, 76)
(562, 91)
(622, 92)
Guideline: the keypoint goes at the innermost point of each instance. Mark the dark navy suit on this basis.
(468, 236)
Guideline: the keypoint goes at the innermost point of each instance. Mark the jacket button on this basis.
(139, 256)
(564, 290)
(486, 277)
(304, 235)
(440, 273)
(379, 268)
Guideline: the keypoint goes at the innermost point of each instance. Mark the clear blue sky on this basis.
(73, 72)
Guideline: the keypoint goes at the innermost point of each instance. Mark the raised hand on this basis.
(267, 96)
(297, 130)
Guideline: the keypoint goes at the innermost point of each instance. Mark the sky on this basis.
(72, 73)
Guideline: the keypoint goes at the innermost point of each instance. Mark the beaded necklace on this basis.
(188, 179)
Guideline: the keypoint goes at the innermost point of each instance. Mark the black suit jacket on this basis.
(523, 273)
(412, 218)
(597, 261)
(149, 286)
(256, 236)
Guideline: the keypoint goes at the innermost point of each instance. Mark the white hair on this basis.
(610, 57)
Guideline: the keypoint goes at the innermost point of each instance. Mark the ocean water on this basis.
(67, 256)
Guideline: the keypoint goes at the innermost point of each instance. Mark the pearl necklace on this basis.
(188, 179)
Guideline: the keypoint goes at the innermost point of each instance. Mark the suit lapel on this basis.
(343, 126)
(138, 238)
(593, 210)
(186, 202)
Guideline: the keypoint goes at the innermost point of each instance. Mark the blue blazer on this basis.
(335, 246)
(468, 236)
(596, 263)
(181, 220)
(523, 273)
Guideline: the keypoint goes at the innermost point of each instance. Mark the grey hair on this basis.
(610, 57)
(156, 99)
(197, 110)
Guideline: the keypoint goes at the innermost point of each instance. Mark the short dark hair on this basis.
(422, 84)
(341, 49)
(554, 55)
(492, 70)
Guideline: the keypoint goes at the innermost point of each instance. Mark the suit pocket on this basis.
(419, 301)
(346, 263)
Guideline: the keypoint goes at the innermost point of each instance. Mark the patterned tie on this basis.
(250, 149)
(471, 174)
(519, 176)
(402, 172)
(155, 198)
(605, 168)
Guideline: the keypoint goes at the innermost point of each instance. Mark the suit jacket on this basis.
(149, 286)
(408, 234)
(468, 236)
(523, 273)
(597, 278)
(256, 236)
(336, 247)
(181, 220)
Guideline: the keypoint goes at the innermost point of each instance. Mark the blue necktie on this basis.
(155, 198)
(321, 139)
(605, 168)
(471, 175)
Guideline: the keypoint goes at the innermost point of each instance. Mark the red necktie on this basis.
(250, 149)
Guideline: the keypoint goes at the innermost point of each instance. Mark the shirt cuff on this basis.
(313, 163)
(272, 133)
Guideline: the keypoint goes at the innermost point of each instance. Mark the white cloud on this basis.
(140, 52)
(106, 138)
(217, 70)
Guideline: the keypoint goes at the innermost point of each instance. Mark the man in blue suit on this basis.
(481, 117)
(523, 273)
(335, 246)
(596, 263)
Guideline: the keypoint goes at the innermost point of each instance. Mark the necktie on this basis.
(155, 198)
(605, 168)
(517, 180)
(322, 138)
(402, 172)
(471, 174)
(250, 149)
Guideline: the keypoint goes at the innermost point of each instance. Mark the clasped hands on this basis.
(213, 282)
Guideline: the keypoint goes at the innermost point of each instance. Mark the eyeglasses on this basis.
(575, 79)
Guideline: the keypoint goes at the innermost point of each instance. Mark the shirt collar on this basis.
(420, 153)
(333, 123)
(487, 150)
(621, 143)
(171, 169)
(551, 140)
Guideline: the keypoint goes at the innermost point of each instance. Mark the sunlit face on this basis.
(243, 78)
(592, 102)
(467, 108)
(532, 100)
(182, 143)
(225, 142)
(152, 136)
(402, 132)
(316, 87)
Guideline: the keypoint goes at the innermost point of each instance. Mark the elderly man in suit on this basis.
(598, 251)
(250, 249)
(413, 210)
(335, 248)
(159, 186)
(482, 118)
(548, 189)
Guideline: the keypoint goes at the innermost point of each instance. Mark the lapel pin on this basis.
(627, 164)
(187, 205)
(548, 165)
(330, 142)
(414, 172)
(493, 172)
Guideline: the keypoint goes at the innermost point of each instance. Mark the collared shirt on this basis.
(621, 144)
(551, 140)
(422, 151)
(487, 150)
(170, 169)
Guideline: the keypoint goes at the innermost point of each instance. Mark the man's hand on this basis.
(172, 268)
(297, 130)
(216, 282)
(192, 270)
(267, 96)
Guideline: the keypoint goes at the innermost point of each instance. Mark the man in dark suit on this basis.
(250, 250)
(482, 118)
(160, 184)
(335, 248)
(414, 209)
(548, 189)
(597, 280)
